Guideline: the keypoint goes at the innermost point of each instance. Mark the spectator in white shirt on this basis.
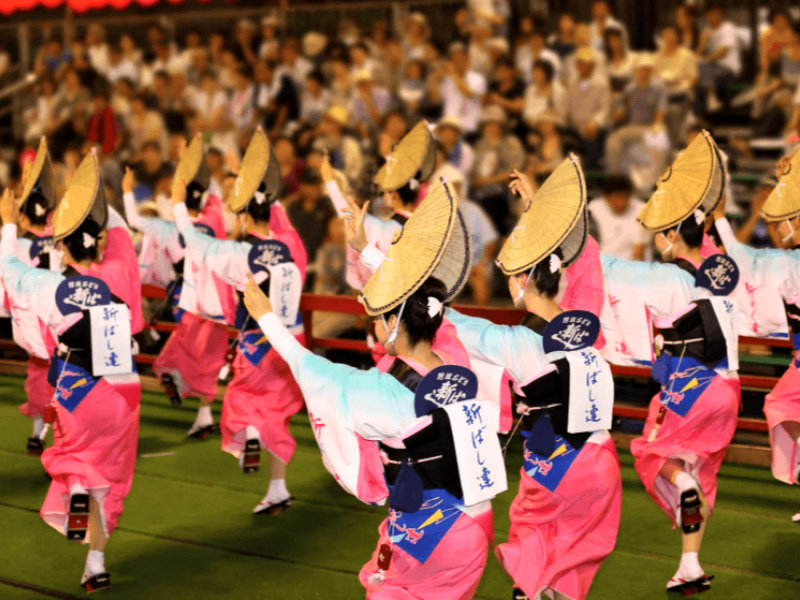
(119, 66)
(294, 64)
(456, 150)
(370, 103)
(720, 62)
(543, 93)
(97, 49)
(459, 90)
(615, 216)
(315, 99)
(534, 50)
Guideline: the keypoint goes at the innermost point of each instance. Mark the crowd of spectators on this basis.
(499, 96)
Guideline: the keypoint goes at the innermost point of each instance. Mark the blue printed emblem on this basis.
(266, 254)
(443, 386)
(571, 330)
(80, 292)
(718, 274)
(41, 245)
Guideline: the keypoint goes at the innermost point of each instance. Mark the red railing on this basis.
(311, 303)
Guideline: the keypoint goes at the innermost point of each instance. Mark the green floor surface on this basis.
(188, 532)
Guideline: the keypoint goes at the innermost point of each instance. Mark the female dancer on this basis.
(692, 419)
(435, 542)
(565, 517)
(262, 397)
(775, 276)
(35, 248)
(190, 362)
(95, 409)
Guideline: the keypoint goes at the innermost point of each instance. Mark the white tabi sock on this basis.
(277, 492)
(204, 418)
(689, 568)
(95, 563)
(685, 482)
(38, 425)
(251, 433)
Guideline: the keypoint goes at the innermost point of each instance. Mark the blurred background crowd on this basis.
(504, 85)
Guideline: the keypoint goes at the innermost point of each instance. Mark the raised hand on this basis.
(521, 185)
(8, 208)
(354, 231)
(128, 181)
(255, 300)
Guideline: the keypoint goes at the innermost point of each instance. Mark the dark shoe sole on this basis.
(78, 517)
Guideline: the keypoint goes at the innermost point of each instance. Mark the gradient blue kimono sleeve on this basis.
(517, 349)
(373, 404)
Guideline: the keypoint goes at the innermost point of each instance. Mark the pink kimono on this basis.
(265, 395)
(453, 571)
(584, 284)
(197, 347)
(95, 440)
(699, 438)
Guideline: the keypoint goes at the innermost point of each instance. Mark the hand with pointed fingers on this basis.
(255, 300)
(521, 185)
(8, 208)
(354, 231)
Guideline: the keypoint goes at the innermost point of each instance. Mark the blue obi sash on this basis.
(72, 383)
(418, 533)
(550, 470)
(683, 381)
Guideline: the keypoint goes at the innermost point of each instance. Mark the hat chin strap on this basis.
(520, 297)
(789, 237)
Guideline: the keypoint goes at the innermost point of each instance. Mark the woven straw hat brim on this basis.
(415, 153)
(41, 176)
(555, 211)
(415, 253)
(258, 165)
(572, 247)
(84, 198)
(454, 267)
(783, 201)
(192, 165)
(694, 181)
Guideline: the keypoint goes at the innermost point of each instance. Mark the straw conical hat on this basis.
(84, 199)
(258, 165)
(555, 218)
(453, 269)
(192, 165)
(784, 201)
(415, 153)
(416, 252)
(40, 178)
(696, 180)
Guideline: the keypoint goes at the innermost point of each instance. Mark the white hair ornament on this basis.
(434, 307)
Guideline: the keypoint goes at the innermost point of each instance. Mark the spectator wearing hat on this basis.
(543, 93)
(456, 150)
(720, 63)
(536, 49)
(588, 105)
(615, 216)
(459, 90)
(245, 44)
(676, 67)
(370, 103)
(416, 33)
(478, 48)
(645, 101)
(497, 153)
(344, 151)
